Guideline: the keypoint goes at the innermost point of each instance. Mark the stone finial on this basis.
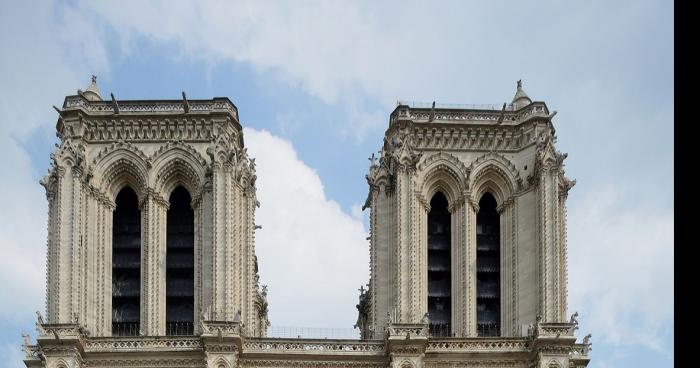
(92, 93)
(520, 84)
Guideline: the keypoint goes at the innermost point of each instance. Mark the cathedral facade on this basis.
(151, 232)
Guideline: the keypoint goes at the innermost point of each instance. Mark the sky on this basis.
(315, 81)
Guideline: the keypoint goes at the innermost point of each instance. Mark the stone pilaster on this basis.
(405, 344)
(62, 345)
(552, 344)
(471, 210)
(459, 260)
(154, 211)
(508, 267)
(103, 273)
(222, 343)
(551, 249)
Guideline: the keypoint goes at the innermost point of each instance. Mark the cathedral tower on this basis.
(468, 220)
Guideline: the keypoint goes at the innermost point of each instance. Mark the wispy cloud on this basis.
(621, 262)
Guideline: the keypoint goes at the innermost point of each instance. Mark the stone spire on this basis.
(92, 93)
(521, 99)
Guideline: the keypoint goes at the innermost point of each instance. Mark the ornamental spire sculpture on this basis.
(521, 98)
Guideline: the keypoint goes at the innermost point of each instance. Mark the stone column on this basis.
(198, 259)
(457, 263)
(421, 260)
(66, 257)
(508, 268)
(105, 210)
(154, 211)
(551, 250)
(471, 210)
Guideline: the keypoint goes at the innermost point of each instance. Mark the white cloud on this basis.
(44, 51)
(621, 263)
(311, 253)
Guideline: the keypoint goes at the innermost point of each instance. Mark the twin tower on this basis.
(151, 259)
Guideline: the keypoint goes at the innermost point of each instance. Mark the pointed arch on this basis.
(176, 164)
(493, 173)
(120, 165)
(442, 172)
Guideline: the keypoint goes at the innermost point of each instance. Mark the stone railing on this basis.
(472, 345)
(143, 344)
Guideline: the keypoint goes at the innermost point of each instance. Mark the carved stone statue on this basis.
(426, 318)
(363, 309)
(574, 319)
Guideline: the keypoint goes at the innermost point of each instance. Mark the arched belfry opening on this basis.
(488, 268)
(439, 266)
(126, 264)
(179, 293)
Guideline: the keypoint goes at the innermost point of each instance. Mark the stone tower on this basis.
(151, 219)
(468, 220)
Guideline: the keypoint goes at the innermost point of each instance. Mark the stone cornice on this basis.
(140, 107)
(148, 121)
(470, 115)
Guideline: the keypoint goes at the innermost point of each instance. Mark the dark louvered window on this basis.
(179, 309)
(439, 267)
(126, 265)
(488, 268)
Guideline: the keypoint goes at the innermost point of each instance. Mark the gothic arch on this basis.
(177, 164)
(68, 155)
(442, 172)
(221, 363)
(495, 174)
(118, 166)
(61, 363)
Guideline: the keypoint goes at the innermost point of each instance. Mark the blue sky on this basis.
(315, 82)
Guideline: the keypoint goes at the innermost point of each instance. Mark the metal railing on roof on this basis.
(313, 333)
(428, 105)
